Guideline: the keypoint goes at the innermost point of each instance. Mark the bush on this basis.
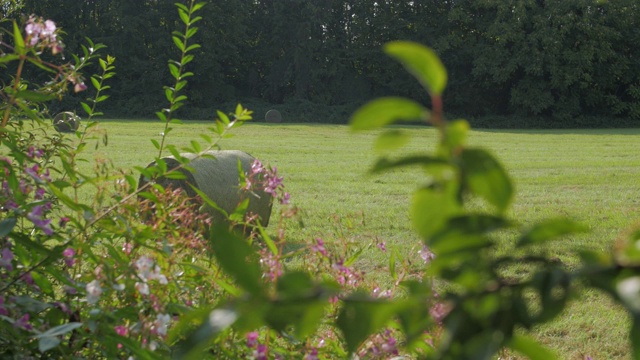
(119, 277)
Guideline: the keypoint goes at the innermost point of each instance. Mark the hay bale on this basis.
(66, 122)
(218, 178)
(273, 116)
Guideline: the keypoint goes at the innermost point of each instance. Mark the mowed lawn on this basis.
(589, 175)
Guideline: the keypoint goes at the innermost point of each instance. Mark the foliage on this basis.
(140, 272)
(553, 60)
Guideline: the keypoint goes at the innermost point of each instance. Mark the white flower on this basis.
(144, 264)
(142, 288)
(93, 291)
(162, 323)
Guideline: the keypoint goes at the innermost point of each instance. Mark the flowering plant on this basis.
(141, 273)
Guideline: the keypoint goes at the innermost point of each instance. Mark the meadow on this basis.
(589, 175)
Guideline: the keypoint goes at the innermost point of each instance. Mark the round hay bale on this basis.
(218, 178)
(273, 116)
(66, 122)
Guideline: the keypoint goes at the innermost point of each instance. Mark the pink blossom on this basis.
(23, 323)
(36, 217)
(252, 339)
(121, 330)
(426, 254)
(319, 247)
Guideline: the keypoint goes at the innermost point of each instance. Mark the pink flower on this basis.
(36, 217)
(426, 254)
(319, 247)
(252, 339)
(23, 323)
(121, 330)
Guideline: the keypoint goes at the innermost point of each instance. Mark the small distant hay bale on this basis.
(66, 122)
(273, 116)
(218, 178)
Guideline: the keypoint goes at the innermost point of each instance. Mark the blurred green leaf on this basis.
(384, 164)
(237, 258)
(385, 111)
(551, 229)
(361, 317)
(456, 133)
(391, 140)
(430, 209)
(530, 348)
(34, 96)
(421, 62)
(483, 176)
(7, 225)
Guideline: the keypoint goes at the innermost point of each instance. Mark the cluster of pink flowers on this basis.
(266, 179)
(43, 33)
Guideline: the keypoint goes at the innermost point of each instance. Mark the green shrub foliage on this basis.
(138, 272)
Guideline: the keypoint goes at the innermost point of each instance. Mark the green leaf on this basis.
(193, 345)
(421, 62)
(551, 229)
(7, 225)
(483, 176)
(18, 39)
(385, 111)
(34, 96)
(361, 317)
(60, 330)
(86, 108)
(456, 133)
(385, 164)
(46, 343)
(391, 140)
(237, 258)
(430, 209)
(530, 348)
(4, 58)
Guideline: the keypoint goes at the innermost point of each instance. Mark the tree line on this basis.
(553, 59)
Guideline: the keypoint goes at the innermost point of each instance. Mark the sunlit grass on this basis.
(589, 175)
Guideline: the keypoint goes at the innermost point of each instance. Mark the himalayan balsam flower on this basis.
(121, 330)
(426, 254)
(252, 339)
(68, 254)
(23, 323)
(36, 217)
(43, 33)
(93, 291)
(319, 247)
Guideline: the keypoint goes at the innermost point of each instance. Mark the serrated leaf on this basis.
(421, 62)
(385, 111)
(482, 175)
(551, 229)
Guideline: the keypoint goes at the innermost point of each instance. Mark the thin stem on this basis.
(12, 99)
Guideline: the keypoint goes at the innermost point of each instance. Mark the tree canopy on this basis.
(557, 59)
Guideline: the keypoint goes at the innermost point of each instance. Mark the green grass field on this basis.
(590, 175)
